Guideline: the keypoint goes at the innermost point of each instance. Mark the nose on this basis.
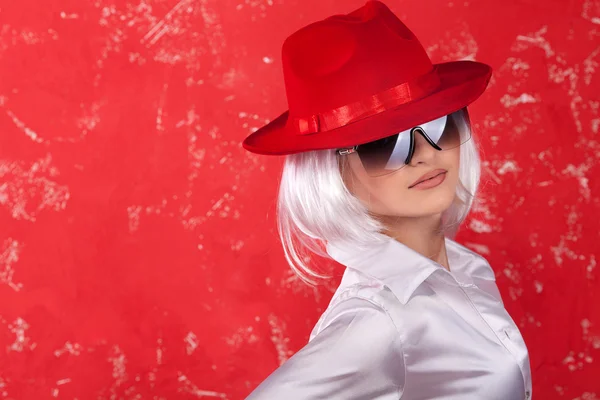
(424, 151)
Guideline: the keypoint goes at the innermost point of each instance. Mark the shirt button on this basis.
(527, 395)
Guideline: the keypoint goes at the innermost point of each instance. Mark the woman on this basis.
(381, 169)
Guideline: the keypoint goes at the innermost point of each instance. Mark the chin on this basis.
(435, 202)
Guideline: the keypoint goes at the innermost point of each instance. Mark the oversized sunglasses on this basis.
(387, 155)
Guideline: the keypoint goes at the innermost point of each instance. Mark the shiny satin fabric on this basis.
(401, 326)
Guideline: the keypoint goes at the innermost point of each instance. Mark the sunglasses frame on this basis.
(349, 150)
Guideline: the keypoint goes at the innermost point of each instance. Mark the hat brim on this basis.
(462, 82)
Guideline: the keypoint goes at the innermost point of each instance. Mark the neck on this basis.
(421, 234)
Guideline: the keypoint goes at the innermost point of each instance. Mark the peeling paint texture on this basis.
(139, 257)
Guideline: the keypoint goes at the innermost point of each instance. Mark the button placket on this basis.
(450, 291)
(512, 341)
(504, 334)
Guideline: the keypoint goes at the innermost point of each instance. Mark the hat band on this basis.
(375, 104)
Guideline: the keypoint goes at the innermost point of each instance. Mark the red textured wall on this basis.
(138, 251)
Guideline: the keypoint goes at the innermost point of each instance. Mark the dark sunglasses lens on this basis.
(389, 154)
(385, 155)
(449, 132)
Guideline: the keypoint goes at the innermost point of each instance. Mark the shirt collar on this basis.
(403, 269)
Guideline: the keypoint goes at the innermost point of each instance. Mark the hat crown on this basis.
(344, 58)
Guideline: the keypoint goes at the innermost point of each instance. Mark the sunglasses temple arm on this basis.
(346, 151)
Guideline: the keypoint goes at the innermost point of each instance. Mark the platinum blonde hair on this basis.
(314, 206)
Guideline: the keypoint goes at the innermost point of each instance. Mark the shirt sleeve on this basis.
(358, 355)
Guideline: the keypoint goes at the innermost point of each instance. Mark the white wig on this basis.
(314, 206)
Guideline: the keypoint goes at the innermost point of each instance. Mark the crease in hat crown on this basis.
(338, 60)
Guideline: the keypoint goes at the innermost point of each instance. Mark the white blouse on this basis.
(401, 326)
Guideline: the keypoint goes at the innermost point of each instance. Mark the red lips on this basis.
(428, 175)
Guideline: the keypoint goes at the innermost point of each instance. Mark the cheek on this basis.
(387, 195)
(370, 191)
(390, 195)
(452, 162)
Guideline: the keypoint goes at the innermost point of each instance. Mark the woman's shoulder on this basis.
(360, 298)
(356, 355)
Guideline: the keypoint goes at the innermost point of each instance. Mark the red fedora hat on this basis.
(355, 78)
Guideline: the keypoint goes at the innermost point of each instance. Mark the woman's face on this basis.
(391, 195)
